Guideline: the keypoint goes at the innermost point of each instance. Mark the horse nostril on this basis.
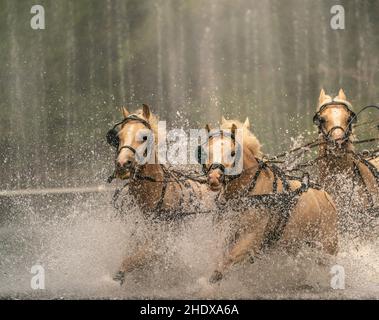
(123, 165)
(213, 179)
(340, 143)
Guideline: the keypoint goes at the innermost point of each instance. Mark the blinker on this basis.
(112, 138)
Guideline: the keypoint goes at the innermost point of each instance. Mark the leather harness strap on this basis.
(282, 202)
(166, 177)
(159, 211)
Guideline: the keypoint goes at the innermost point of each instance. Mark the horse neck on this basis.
(251, 166)
(145, 191)
(330, 163)
(154, 171)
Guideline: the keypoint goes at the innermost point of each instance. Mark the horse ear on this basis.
(125, 112)
(234, 128)
(223, 120)
(321, 98)
(146, 111)
(247, 123)
(341, 94)
(208, 128)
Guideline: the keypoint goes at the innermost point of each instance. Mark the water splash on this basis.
(81, 243)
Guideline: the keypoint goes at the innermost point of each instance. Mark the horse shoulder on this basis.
(369, 178)
(314, 206)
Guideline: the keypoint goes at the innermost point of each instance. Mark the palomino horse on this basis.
(161, 193)
(274, 209)
(348, 177)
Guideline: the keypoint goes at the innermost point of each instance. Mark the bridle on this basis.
(114, 140)
(318, 121)
(201, 154)
(112, 135)
(347, 132)
(169, 176)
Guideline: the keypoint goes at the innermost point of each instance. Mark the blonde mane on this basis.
(250, 141)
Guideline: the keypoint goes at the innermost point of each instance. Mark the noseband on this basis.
(217, 165)
(318, 120)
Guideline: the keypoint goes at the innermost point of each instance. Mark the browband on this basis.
(222, 133)
(133, 117)
(334, 101)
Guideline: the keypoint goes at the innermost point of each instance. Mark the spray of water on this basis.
(81, 243)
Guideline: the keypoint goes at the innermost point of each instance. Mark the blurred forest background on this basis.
(191, 60)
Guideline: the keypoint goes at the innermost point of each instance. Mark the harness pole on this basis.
(46, 191)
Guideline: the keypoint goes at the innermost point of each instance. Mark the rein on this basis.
(169, 176)
(113, 140)
(304, 148)
(278, 174)
(348, 131)
(314, 143)
(374, 171)
(283, 202)
(357, 173)
(355, 117)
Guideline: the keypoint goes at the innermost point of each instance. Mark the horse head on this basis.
(229, 150)
(133, 138)
(334, 119)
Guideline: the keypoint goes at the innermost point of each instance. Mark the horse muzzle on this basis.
(123, 175)
(338, 144)
(123, 171)
(215, 179)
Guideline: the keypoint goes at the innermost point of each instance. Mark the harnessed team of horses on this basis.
(273, 208)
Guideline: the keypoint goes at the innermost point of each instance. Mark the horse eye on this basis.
(144, 138)
(233, 153)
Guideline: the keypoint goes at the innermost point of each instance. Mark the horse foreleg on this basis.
(238, 253)
(328, 234)
(313, 222)
(130, 263)
(248, 243)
